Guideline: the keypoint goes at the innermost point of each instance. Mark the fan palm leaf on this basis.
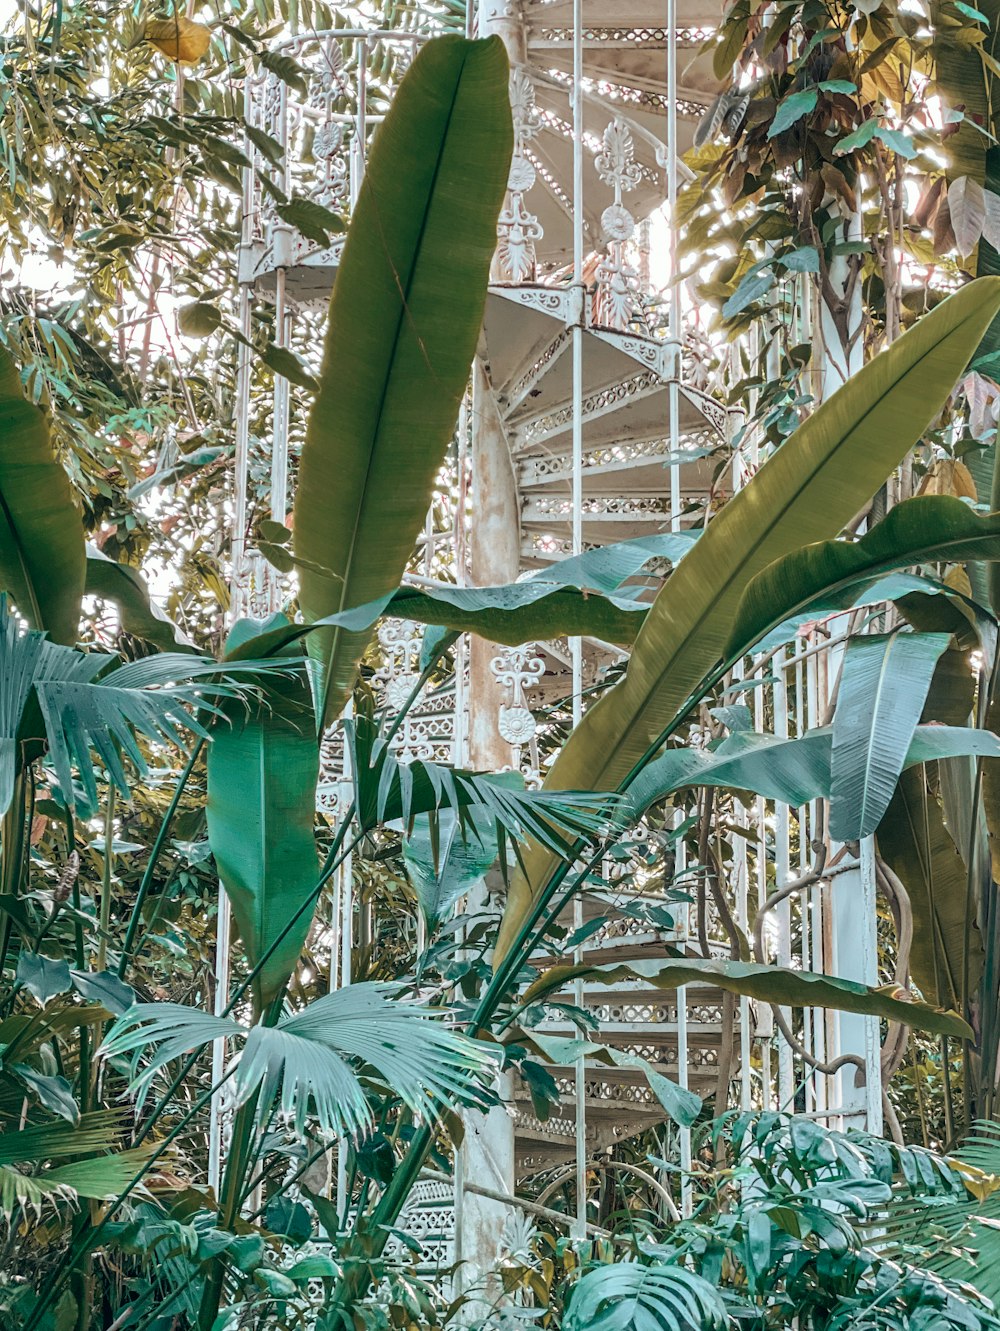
(315, 1057)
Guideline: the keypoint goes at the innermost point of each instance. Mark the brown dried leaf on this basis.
(179, 38)
(949, 477)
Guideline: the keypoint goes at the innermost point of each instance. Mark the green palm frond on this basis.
(104, 1174)
(79, 703)
(99, 1179)
(387, 790)
(313, 1058)
(963, 1232)
(629, 1296)
(96, 1131)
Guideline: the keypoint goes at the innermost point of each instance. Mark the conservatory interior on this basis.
(499, 665)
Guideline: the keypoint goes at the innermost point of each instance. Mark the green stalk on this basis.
(12, 841)
(105, 918)
(353, 1284)
(154, 857)
(239, 1149)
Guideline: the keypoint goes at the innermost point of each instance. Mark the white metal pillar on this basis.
(853, 923)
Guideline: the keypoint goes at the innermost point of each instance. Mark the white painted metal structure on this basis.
(590, 413)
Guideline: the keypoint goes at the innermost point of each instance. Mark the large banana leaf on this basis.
(768, 984)
(575, 596)
(404, 321)
(127, 589)
(514, 613)
(883, 685)
(41, 535)
(823, 577)
(791, 771)
(915, 843)
(810, 488)
(263, 765)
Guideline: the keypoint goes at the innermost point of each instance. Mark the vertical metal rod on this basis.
(674, 305)
(815, 900)
(786, 1068)
(683, 1077)
(576, 644)
(282, 406)
(673, 407)
(222, 977)
(765, 1023)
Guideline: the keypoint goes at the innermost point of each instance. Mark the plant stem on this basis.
(154, 856)
(12, 861)
(105, 919)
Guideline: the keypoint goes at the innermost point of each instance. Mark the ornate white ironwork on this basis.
(617, 298)
(257, 589)
(515, 670)
(428, 1217)
(518, 229)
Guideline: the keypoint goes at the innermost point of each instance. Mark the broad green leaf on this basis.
(312, 219)
(630, 1296)
(263, 765)
(917, 846)
(814, 484)
(751, 288)
(54, 1092)
(792, 109)
(41, 534)
(768, 984)
(883, 685)
(106, 988)
(198, 319)
(821, 578)
(791, 771)
(446, 860)
(605, 568)
(283, 361)
(574, 596)
(43, 977)
(127, 589)
(515, 613)
(404, 320)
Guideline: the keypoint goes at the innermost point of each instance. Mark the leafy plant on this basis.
(404, 321)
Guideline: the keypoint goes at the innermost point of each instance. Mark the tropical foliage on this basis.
(147, 755)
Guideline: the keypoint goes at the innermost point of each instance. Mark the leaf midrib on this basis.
(401, 322)
(709, 611)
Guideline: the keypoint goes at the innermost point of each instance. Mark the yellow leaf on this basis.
(179, 38)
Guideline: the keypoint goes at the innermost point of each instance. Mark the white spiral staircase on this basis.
(646, 412)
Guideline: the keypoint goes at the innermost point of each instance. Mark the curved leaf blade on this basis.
(768, 984)
(883, 687)
(41, 535)
(404, 320)
(812, 486)
(263, 767)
